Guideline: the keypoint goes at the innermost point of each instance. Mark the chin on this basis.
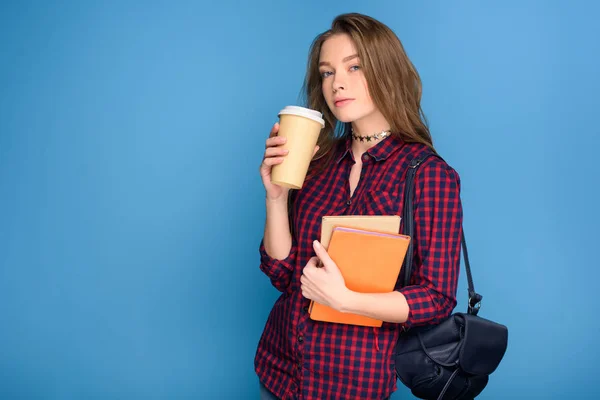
(345, 116)
(344, 119)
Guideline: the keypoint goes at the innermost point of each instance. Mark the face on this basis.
(343, 82)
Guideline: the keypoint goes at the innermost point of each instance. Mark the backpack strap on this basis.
(408, 218)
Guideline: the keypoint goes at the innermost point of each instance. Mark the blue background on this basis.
(131, 208)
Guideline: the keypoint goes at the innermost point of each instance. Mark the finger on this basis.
(315, 262)
(321, 252)
(275, 141)
(305, 284)
(274, 129)
(307, 270)
(306, 292)
(319, 249)
(312, 263)
(275, 151)
(269, 162)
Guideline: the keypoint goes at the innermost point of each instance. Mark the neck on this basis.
(366, 127)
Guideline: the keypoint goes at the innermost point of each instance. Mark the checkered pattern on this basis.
(298, 358)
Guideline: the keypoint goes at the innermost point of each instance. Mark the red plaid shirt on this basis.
(298, 358)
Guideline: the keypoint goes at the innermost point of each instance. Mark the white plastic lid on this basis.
(304, 112)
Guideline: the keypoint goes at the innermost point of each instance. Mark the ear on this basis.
(315, 150)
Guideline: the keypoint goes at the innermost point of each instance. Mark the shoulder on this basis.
(434, 170)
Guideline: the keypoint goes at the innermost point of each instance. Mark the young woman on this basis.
(361, 79)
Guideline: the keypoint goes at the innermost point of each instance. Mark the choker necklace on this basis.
(368, 138)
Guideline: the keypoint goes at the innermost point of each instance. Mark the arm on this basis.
(389, 307)
(277, 239)
(277, 249)
(438, 224)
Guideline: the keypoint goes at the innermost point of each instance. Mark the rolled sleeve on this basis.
(278, 271)
(420, 305)
(431, 294)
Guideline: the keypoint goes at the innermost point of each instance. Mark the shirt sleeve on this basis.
(278, 271)
(431, 294)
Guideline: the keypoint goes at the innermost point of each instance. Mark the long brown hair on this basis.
(393, 82)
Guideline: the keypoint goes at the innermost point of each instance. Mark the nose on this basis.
(338, 83)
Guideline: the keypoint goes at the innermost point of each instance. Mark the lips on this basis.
(342, 102)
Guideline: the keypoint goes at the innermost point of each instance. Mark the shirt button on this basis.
(300, 338)
(305, 308)
(349, 202)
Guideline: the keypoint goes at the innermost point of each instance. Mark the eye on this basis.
(355, 68)
(325, 74)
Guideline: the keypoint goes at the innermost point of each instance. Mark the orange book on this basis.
(370, 262)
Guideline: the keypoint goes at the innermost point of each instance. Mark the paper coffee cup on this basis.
(301, 126)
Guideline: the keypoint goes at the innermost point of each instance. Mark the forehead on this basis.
(336, 48)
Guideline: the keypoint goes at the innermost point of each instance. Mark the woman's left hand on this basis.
(325, 284)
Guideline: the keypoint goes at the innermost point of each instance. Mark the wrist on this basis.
(282, 199)
(276, 204)
(348, 301)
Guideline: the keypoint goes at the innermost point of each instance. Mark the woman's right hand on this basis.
(274, 155)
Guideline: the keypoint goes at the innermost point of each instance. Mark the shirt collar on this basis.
(381, 151)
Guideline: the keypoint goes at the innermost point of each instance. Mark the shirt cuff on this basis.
(270, 264)
(420, 305)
